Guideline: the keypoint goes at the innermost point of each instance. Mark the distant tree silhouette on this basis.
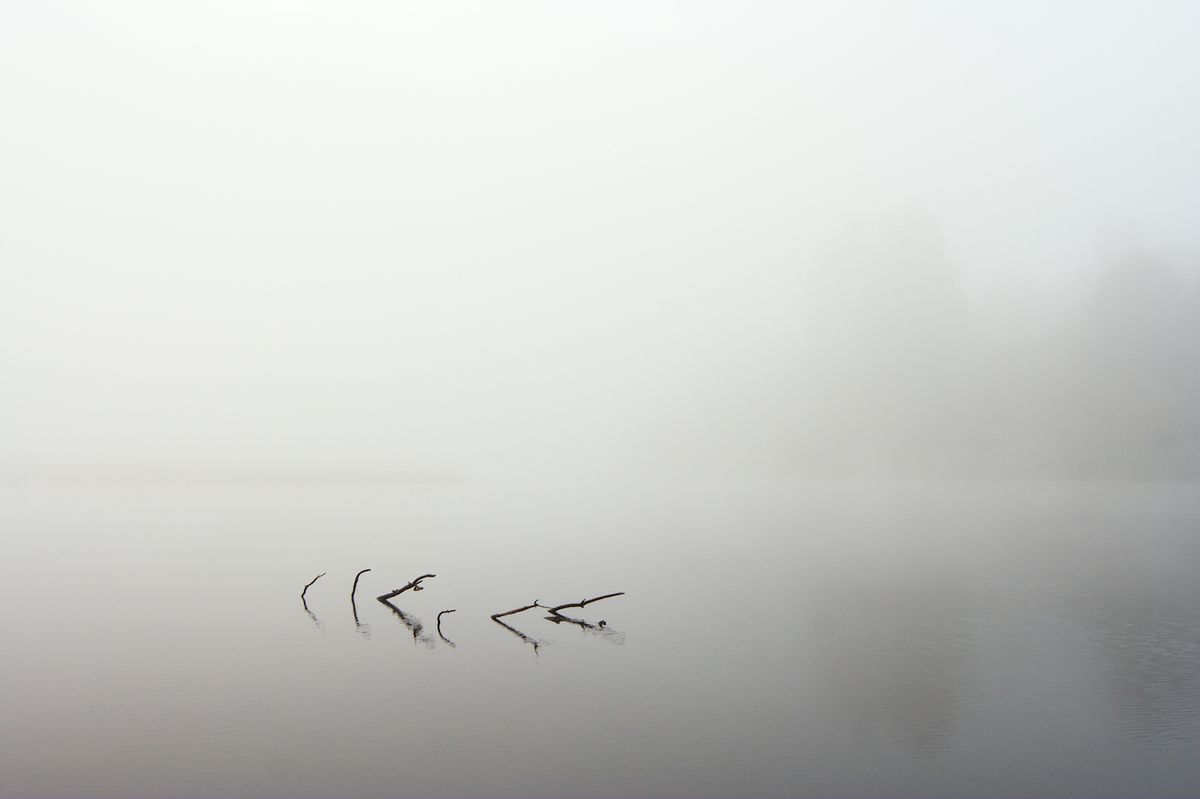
(1133, 403)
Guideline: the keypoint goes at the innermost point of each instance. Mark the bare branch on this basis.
(305, 591)
(354, 605)
(355, 588)
(304, 602)
(496, 616)
(439, 626)
(555, 610)
(413, 623)
(414, 585)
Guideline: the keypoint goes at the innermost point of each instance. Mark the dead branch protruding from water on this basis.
(354, 605)
(554, 611)
(521, 609)
(414, 624)
(414, 585)
(535, 643)
(305, 591)
(304, 602)
(355, 587)
(439, 626)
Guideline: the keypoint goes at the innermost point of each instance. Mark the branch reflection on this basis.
(599, 629)
(412, 623)
(534, 642)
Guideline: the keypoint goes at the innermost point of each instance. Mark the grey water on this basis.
(776, 638)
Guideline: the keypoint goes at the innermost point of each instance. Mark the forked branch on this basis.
(414, 585)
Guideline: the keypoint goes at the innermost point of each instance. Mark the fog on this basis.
(821, 239)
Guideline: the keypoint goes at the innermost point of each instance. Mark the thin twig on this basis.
(305, 591)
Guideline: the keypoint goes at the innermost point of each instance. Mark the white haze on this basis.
(450, 238)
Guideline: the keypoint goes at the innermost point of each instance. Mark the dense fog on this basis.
(889, 369)
(826, 239)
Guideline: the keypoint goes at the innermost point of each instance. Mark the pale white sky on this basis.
(405, 233)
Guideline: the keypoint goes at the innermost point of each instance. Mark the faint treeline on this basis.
(884, 373)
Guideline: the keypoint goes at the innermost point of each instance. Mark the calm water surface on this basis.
(776, 639)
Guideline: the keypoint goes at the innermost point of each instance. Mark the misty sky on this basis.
(429, 236)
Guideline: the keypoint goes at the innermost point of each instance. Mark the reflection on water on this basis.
(1154, 674)
(896, 654)
(320, 626)
(414, 625)
(1146, 642)
(600, 629)
(304, 602)
(1034, 641)
(529, 639)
